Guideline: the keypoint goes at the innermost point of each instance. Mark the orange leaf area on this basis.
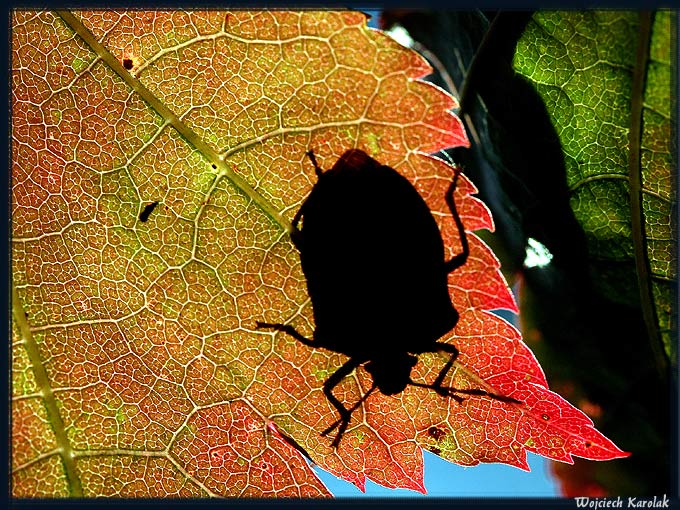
(137, 369)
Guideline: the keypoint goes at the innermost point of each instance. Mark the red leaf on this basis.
(545, 423)
(230, 450)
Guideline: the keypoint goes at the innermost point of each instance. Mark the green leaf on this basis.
(605, 78)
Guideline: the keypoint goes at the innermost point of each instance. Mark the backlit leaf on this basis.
(137, 367)
(585, 65)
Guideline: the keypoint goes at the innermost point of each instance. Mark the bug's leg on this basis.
(296, 218)
(286, 328)
(344, 421)
(296, 233)
(437, 384)
(317, 168)
(454, 392)
(345, 414)
(460, 259)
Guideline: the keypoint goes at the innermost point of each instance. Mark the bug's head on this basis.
(392, 373)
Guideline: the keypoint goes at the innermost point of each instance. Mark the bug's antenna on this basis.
(453, 393)
(317, 168)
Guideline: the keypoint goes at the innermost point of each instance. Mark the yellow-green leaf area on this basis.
(148, 367)
(23, 378)
(591, 111)
(658, 148)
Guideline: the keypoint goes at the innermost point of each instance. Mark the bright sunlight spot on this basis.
(537, 254)
(401, 35)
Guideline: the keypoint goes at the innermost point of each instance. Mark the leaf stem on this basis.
(505, 27)
(472, 70)
(636, 188)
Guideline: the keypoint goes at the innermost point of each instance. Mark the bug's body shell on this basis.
(374, 262)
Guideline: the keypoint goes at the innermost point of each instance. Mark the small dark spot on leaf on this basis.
(127, 63)
(588, 444)
(148, 209)
(214, 166)
(436, 433)
(545, 417)
(435, 450)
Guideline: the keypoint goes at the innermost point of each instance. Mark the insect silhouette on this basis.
(146, 212)
(376, 274)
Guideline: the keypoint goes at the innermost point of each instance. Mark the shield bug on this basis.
(376, 273)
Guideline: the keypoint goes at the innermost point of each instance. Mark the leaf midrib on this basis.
(642, 263)
(172, 119)
(64, 447)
